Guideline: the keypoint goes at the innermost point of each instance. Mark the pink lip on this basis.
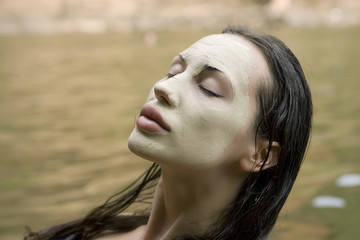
(151, 120)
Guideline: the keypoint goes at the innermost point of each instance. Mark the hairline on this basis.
(263, 82)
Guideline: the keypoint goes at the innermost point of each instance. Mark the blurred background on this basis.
(74, 73)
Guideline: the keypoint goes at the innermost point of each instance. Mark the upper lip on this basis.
(152, 113)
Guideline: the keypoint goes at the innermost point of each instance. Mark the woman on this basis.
(227, 130)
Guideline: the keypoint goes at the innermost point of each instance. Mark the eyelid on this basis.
(209, 92)
(217, 83)
(178, 64)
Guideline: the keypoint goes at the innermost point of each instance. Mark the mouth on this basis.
(151, 120)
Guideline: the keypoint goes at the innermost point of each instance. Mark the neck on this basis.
(189, 201)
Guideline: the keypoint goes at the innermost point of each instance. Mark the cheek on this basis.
(207, 133)
(216, 113)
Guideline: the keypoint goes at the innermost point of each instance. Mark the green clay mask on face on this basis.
(203, 125)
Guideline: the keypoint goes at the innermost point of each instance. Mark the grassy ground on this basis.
(69, 102)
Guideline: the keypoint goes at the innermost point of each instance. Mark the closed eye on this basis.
(177, 66)
(170, 75)
(209, 92)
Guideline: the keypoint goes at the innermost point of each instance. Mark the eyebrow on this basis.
(182, 58)
(206, 67)
(210, 68)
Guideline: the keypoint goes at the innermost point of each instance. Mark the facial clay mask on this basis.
(208, 104)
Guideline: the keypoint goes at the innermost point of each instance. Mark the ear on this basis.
(257, 159)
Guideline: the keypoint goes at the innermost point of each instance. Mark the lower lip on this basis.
(149, 125)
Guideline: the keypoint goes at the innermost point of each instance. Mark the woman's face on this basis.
(203, 112)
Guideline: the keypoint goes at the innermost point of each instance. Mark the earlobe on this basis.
(262, 159)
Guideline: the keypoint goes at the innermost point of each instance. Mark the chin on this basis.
(135, 144)
(144, 146)
(162, 151)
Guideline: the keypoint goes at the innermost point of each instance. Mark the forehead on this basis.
(218, 50)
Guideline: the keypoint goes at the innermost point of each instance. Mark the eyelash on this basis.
(210, 93)
(170, 75)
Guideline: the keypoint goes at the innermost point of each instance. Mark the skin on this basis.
(196, 118)
(207, 149)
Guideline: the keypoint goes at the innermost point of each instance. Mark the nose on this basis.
(165, 92)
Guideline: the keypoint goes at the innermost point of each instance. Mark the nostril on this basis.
(162, 95)
(164, 100)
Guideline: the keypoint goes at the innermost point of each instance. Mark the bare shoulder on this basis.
(136, 234)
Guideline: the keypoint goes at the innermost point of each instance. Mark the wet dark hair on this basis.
(284, 116)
